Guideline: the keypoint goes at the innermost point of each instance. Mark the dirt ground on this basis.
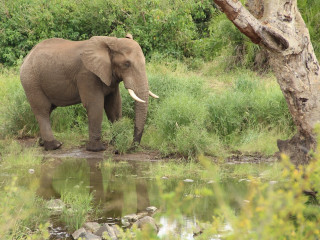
(145, 155)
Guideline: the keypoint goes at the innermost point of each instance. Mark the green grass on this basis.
(203, 111)
(23, 213)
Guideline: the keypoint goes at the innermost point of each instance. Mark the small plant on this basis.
(122, 132)
(78, 206)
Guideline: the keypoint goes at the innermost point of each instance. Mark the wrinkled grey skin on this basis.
(59, 73)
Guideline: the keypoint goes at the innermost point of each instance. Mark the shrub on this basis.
(165, 27)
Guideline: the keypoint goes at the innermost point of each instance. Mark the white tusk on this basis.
(134, 96)
(153, 95)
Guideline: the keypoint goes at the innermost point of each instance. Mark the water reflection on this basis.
(121, 188)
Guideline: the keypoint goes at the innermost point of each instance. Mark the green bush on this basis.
(166, 27)
(179, 29)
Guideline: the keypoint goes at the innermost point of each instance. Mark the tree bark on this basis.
(277, 25)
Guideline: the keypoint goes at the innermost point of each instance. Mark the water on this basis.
(122, 188)
(119, 188)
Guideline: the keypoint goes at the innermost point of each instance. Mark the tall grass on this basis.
(23, 213)
(199, 111)
(248, 104)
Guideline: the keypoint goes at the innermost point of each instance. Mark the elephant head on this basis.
(121, 59)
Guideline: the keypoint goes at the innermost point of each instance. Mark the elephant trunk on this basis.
(141, 109)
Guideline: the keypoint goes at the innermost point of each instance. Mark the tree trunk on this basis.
(277, 25)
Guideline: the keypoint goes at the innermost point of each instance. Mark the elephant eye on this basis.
(127, 64)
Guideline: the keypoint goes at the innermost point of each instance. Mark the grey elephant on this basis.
(60, 72)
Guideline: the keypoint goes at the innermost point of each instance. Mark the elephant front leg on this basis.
(92, 99)
(95, 114)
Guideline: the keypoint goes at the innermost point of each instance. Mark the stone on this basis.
(142, 214)
(78, 233)
(89, 236)
(55, 205)
(131, 217)
(91, 226)
(106, 231)
(101, 230)
(111, 232)
(125, 222)
(143, 222)
(116, 230)
(188, 180)
(151, 209)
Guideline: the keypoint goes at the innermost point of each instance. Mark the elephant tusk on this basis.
(134, 96)
(153, 95)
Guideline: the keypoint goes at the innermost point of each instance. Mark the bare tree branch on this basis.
(249, 25)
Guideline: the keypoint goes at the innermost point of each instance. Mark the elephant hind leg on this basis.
(42, 109)
(41, 141)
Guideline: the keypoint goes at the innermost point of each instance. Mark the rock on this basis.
(145, 221)
(91, 226)
(151, 209)
(89, 236)
(106, 232)
(142, 214)
(116, 230)
(125, 222)
(101, 230)
(78, 233)
(131, 217)
(188, 180)
(111, 232)
(55, 205)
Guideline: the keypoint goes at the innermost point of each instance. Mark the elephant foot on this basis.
(41, 142)
(95, 146)
(51, 145)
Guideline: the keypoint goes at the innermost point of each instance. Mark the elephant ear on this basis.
(96, 57)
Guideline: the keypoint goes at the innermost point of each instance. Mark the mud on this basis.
(81, 152)
(240, 158)
(236, 157)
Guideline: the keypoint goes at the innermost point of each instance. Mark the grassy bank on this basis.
(201, 110)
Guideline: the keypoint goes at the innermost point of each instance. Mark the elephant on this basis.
(59, 72)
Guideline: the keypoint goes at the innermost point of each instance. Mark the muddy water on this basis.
(121, 187)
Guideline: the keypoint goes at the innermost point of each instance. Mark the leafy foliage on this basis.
(167, 27)
(180, 29)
